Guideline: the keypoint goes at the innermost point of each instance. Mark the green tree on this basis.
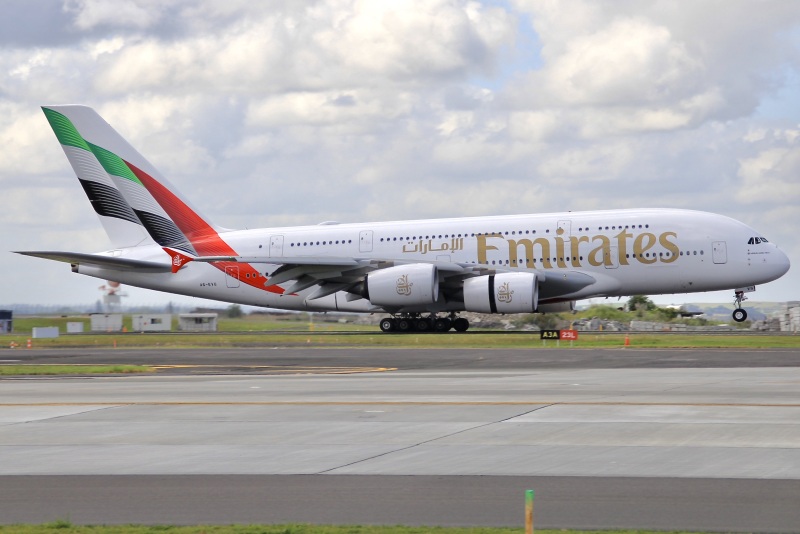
(640, 303)
(234, 311)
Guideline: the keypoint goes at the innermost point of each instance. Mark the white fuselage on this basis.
(627, 252)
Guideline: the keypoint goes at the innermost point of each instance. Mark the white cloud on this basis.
(416, 37)
(627, 62)
(348, 108)
(292, 112)
(771, 176)
(598, 163)
(639, 61)
(24, 136)
(127, 13)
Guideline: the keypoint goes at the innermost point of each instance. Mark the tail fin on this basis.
(121, 223)
(127, 192)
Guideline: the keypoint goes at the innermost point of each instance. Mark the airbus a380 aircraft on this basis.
(421, 273)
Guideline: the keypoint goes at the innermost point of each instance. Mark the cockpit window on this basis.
(757, 240)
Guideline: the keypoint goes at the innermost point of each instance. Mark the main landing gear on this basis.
(739, 314)
(414, 322)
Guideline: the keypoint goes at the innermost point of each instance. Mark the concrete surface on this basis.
(650, 433)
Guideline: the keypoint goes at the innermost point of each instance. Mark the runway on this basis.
(607, 438)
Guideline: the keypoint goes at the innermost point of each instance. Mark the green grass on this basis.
(12, 370)
(63, 526)
(287, 323)
(257, 330)
(23, 325)
(510, 340)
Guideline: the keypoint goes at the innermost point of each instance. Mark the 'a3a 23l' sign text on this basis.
(567, 335)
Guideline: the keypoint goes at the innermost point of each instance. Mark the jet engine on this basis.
(403, 286)
(502, 293)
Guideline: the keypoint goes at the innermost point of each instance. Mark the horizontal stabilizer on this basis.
(103, 262)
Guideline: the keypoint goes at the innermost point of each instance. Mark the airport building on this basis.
(6, 321)
(790, 322)
(197, 322)
(105, 322)
(152, 322)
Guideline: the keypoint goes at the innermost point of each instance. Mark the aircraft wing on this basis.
(104, 262)
(330, 275)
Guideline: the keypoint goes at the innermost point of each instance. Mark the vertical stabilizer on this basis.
(122, 225)
(123, 185)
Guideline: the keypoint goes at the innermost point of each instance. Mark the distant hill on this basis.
(756, 311)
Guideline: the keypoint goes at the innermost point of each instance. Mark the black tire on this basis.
(739, 315)
(403, 325)
(422, 325)
(460, 324)
(387, 324)
(442, 324)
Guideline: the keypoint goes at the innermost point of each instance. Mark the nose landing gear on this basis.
(739, 314)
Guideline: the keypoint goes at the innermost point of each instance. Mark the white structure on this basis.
(74, 328)
(112, 296)
(152, 322)
(42, 332)
(106, 322)
(197, 322)
(790, 321)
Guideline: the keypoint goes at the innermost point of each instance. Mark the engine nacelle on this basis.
(502, 293)
(403, 285)
(556, 307)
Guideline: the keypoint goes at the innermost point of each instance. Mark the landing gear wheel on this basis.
(403, 325)
(442, 324)
(387, 324)
(739, 315)
(422, 325)
(460, 324)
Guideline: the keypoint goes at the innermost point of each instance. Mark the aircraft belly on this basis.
(651, 279)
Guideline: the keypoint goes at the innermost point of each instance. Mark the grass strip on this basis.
(522, 340)
(67, 527)
(28, 370)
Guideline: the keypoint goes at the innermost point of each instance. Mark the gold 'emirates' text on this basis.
(628, 247)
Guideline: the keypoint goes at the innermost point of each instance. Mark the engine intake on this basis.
(502, 293)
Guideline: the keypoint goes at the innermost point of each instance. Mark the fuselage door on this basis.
(276, 246)
(365, 241)
(719, 252)
(232, 276)
(566, 227)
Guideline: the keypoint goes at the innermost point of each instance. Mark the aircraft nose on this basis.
(782, 263)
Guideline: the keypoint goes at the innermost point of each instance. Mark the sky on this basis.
(296, 112)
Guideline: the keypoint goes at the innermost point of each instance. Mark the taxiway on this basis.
(607, 438)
